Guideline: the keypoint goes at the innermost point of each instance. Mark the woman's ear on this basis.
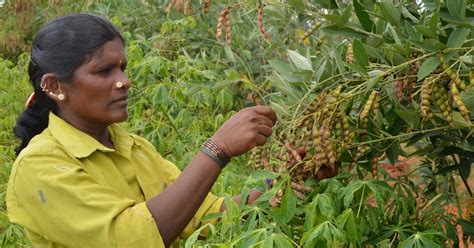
(52, 87)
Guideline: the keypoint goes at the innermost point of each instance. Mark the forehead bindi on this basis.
(112, 52)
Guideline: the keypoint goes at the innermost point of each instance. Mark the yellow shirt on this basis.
(67, 189)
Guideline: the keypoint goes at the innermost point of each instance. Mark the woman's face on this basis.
(92, 98)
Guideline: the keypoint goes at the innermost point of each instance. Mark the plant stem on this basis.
(398, 136)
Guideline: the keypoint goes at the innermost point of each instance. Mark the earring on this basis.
(61, 96)
(43, 86)
(118, 85)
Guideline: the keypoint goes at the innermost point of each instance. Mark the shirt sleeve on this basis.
(69, 207)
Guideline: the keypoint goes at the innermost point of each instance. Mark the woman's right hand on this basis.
(246, 129)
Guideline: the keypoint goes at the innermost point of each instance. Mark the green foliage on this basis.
(12, 79)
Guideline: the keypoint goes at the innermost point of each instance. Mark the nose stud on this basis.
(118, 85)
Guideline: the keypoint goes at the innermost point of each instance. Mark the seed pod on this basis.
(443, 101)
(299, 195)
(293, 152)
(300, 187)
(399, 86)
(207, 5)
(471, 78)
(346, 128)
(187, 7)
(377, 101)
(361, 150)
(227, 29)
(170, 5)
(220, 20)
(368, 104)
(315, 104)
(319, 43)
(256, 157)
(375, 165)
(459, 82)
(310, 31)
(350, 54)
(310, 164)
(459, 102)
(260, 22)
(426, 91)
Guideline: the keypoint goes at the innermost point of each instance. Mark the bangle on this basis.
(212, 150)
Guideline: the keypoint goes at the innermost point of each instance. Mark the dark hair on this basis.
(60, 47)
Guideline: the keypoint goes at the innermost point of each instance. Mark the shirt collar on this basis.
(81, 145)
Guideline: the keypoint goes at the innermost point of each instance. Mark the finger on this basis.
(264, 121)
(260, 140)
(266, 111)
(264, 130)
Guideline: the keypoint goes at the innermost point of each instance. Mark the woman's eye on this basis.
(105, 71)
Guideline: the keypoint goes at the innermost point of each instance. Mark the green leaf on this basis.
(193, 238)
(363, 17)
(427, 67)
(390, 12)
(465, 167)
(468, 226)
(279, 109)
(459, 122)
(344, 32)
(280, 66)
(347, 222)
(324, 205)
(327, 4)
(407, 14)
(359, 69)
(406, 117)
(336, 19)
(392, 152)
(346, 14)
(298, 4)
(373, 81)
(426, 31)
(457, 8)
(434, 20)
(360, 54)
(337, 57)
(229, 54)
(300, 61)
(281, 241)
(456, 39)
(288, 205)
(412, 33)
(340, 19)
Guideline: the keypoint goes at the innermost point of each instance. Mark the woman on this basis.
(80, 180)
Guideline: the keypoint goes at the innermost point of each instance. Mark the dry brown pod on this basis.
(264, 32)
(228, 33)
(220, 20)
(187, 7)
(207, 5)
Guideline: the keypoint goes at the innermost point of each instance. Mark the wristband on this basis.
(216, 153)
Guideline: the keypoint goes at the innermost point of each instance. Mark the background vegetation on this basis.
(362, 84)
